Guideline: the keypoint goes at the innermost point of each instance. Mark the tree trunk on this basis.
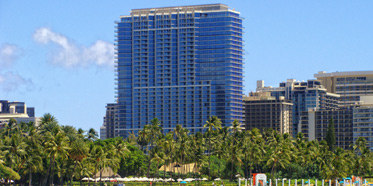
(147, 174)
(246, 165)
(164, 172)
(171, 166)
(250, 172)
(48, 172)
(80, 180)
(273, 169)
(101, 169)
(71, 179)
(61, 180)
(30, 177)
(209, 154)
(182, 167)
(232, 158)
(232, 168)
(51, 173)
(95, 176)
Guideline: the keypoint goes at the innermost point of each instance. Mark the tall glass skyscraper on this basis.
(178, 64)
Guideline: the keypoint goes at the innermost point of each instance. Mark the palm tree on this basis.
(143, 138)
(158, 155)
(14, 150)
(169, 146)
(47, 118)
(92, 135)
(96, 156)
(84, 169)
(235, 144)
(77, 153)
(6, 172)
(279, 152)
(362, 164)
(335, 165)
(56, 146)
(33, 160)
(110, 158)
(256, 146)
(212, 123)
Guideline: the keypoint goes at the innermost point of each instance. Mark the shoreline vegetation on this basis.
(55, 154)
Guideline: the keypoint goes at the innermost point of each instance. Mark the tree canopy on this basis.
(54, 154)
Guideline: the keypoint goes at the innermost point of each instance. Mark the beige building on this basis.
(18, 111)
(264, 111)
(349, 85)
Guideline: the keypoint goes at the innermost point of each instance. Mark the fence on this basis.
(241, 182)
(301, 182)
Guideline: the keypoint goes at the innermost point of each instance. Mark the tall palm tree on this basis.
(77, 153)
(158, 157)
(363, 163)
(14, 150)
(212, 123)
(235, 144)
(6, 172)
(92, 135)
(279, 153)
(153, 134)
(47, 118)
(97, 155)
(56, 146)
(33, 160)
(257, 150)
(335, 165)
(143, 137)
(169, 146)
(199, 148)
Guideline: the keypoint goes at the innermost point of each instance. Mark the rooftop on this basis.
(174, 9)
(346, 73)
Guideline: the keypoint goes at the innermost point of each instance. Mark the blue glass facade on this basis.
(180, 65)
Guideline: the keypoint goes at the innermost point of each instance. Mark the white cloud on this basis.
(70, 55)
(10, 82)
(9, 53)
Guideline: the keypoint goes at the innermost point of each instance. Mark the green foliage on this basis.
(330, 135)
(134, 163)
(51, 153)
(217, 166)
(6, 172)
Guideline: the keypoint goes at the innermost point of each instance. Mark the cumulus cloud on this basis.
(70, 55)
(10, 82)
(9, 53)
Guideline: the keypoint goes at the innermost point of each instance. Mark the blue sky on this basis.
(57, 55)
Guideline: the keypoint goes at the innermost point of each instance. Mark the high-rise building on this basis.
(179, 64)
(350, 123)
(110, 121)
(349, 85)
(264, 111)
(303, 95)
(314, 125)
(363, 120)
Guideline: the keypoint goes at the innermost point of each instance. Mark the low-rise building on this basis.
(18, 111)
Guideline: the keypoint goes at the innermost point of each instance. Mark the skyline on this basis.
(76, 85)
